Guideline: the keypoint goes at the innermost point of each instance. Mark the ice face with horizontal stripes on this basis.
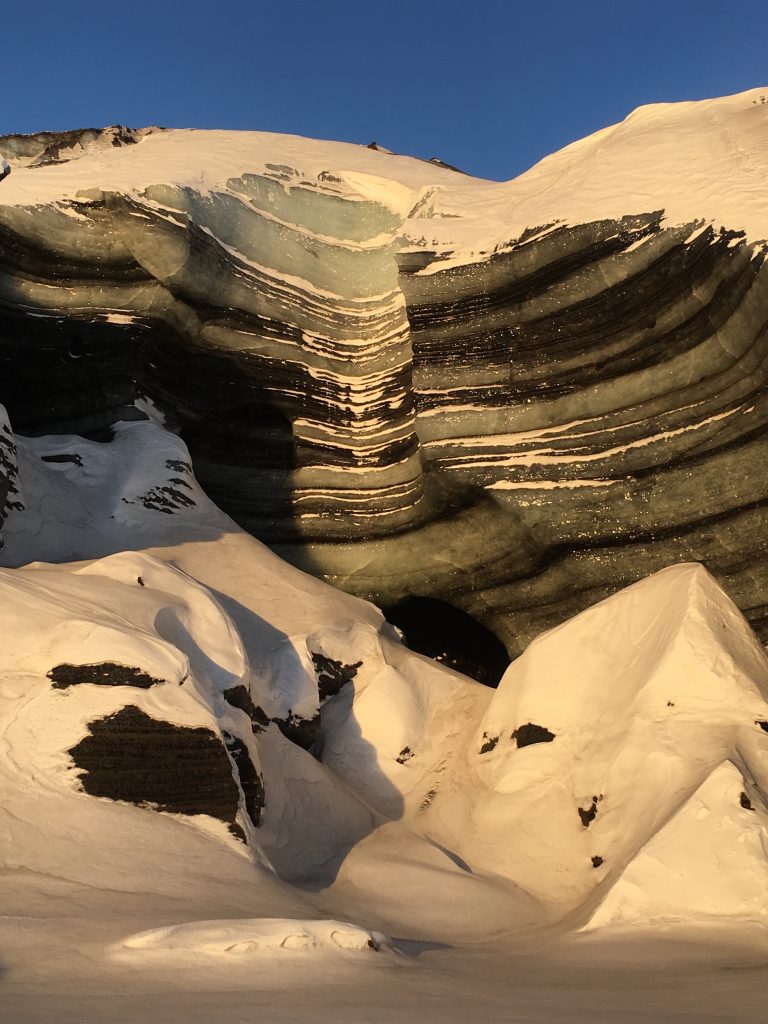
(372, 357)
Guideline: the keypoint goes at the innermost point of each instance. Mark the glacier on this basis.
(258, 387)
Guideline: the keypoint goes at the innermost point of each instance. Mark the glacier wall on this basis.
(394, 386)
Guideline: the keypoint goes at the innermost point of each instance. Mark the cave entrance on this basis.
(450, 636)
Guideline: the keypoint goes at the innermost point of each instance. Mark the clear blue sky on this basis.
(488, 85)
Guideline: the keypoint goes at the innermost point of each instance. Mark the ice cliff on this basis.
(373, 358)
(539, 402)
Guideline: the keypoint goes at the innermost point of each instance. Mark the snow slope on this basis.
(419, 778)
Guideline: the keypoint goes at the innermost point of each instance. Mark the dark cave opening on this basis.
(450, 636)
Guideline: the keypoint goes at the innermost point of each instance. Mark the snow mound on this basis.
(606, 726)
(276, 710)
(254, 936)
(707, 864)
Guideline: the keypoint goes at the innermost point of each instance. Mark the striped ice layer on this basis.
(515, 397)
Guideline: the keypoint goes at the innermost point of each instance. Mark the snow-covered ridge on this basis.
(704, 159)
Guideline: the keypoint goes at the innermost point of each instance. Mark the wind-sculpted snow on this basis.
(504, 810)
(374, 358)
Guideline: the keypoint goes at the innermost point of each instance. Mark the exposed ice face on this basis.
(372, 357)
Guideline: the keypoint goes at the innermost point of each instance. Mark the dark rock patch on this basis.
(527, 734)
(745, 802)
(332, 674)
(67, 457)
(489, 744)
(301, 731)
(426, 802)
(237, 832)
(763, 726)
(240, 697)
(588, 816)
(404, 756)
(450, 636)
(166, 497)
(596, 862)
(105, 673)
(140, 581)
(251, 782)
(132, 757)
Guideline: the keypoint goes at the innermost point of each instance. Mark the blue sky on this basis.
(490, 85)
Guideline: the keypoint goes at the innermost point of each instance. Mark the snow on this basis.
(422, 818)
(704, 160)
(245, 938)
(589, 840)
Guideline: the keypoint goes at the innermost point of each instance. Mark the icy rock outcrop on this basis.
(372, 357)
(10, 496)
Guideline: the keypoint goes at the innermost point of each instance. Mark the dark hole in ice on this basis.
(426, 802)
(530, 733)
(745, 802)
(130, 756)
(74, 457)
(450, 636)
(105, 673)
(763, 726)
(596, 862)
